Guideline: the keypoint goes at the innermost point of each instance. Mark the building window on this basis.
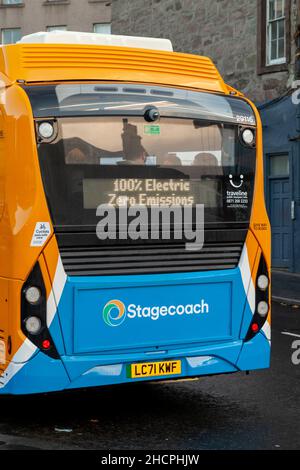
(102, 28)
(56, 28)
(10, 36)
(279, 165)
(274, 37)
(11, 2)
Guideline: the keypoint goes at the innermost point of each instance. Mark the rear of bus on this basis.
(103, 126)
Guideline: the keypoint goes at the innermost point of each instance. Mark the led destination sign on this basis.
(133, 192)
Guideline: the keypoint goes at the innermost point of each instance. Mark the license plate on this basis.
(154, 369)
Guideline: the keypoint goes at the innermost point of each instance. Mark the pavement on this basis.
(286, 287)
(235, 411)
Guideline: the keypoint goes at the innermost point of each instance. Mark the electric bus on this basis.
(88, 120)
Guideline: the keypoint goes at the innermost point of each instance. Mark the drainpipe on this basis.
(297, 62)
(297, 69)
(297, 77)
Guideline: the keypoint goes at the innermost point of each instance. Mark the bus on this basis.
(90, 120)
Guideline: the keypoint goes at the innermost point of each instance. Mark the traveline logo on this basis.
(115, 312)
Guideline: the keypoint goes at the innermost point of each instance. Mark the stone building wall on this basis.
(36, 15)
(225, 30)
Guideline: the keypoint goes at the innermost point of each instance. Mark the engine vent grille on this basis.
(49, 62)
(148, 259)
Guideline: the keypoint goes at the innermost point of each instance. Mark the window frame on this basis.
(9, 29)
(269, 22)
(15, 2)
(272, 156)
(11, 5)
(61, 27)
(263, 67)
(102, 24)
(56, 2)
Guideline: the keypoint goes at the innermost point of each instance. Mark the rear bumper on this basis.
(207, 334)
(42, 374)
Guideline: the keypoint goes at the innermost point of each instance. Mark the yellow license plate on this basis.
(154, 369)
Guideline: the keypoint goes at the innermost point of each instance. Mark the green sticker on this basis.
(152, 130)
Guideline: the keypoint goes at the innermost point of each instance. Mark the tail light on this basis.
(262, 300)
(34, 313)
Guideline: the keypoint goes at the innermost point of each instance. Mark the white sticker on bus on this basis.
(246, 119)
(2, 352)
(41, 234)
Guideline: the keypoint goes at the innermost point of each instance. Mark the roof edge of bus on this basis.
(97, 39)
(31, 62)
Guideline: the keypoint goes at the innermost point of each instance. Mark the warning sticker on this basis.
(41, 234)
(260, 226)
(2, 352)
(151, 129)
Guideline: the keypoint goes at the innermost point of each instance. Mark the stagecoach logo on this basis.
(115, 312)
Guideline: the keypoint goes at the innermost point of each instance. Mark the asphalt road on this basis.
(259, 411)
